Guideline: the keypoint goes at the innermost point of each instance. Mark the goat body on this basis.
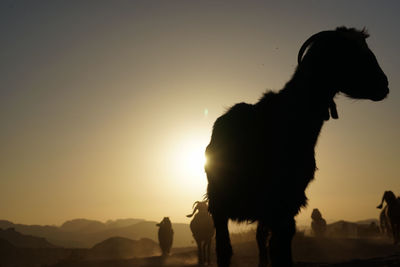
(318, 224)
(202, 227)
(165, 235)
(251, 143)
(390, 215)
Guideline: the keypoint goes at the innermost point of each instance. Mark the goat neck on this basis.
(312, 95)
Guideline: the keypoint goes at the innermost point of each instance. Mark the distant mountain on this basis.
(24, 241)
(123, 248)
(123, 222)
(84, 233)
(360, 229)
(83, 225)
(4, 224)
(368, 221)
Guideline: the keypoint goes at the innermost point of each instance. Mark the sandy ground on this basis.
(307, 252)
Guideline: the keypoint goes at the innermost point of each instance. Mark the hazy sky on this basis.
(106, 106)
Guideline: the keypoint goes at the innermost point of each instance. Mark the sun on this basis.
(191, 157)
(186, 160)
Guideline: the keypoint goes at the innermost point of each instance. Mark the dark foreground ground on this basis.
(308, 252)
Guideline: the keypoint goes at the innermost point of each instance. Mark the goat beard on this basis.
(331, 111)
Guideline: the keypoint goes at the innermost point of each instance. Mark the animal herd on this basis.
(203, 229)
(261, 156)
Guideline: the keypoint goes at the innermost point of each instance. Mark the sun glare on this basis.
(191, 158)
(187, 159)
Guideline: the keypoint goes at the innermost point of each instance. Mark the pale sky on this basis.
(106, 107)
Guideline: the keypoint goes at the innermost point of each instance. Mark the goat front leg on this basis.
(199, 253)
(280, 245)
(208, 251)
(396, 233)
(262, 236)
(223, 242)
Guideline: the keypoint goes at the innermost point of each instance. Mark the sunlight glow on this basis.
(191, 158)
(186, 163)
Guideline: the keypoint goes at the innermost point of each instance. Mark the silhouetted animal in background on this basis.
(261, 157)
(318, 224)
(384, 223)
(165, 235)
(392, 213)
(202, 227)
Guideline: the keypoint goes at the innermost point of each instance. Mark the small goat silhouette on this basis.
(165, 235)
(391, 214)
(318, 224)
(202, 227)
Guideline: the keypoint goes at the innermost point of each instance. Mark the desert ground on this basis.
(307, 251)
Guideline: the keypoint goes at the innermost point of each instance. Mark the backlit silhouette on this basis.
(318, 224)
(165, 235)
(392, 214)
(202, 227)
(261, 156)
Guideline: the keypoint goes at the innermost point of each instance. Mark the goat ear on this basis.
(379, 206)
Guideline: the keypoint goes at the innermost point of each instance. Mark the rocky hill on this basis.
(84, 233)
(24, 241)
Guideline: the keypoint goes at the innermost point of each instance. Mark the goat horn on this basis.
(310, 40)
(194, 209)
(195, 203)
(383, 199)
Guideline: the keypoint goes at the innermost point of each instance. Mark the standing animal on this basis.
(261, 156)
(384, 222)
(392, 214)
(165, 235)
(202, 227)
(318, 224)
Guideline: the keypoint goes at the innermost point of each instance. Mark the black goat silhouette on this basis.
(261, 157)
(391, 214)
(165, 235)
(202, 227)
(318, 224)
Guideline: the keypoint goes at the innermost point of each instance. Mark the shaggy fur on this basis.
(165, 235)
(261, 157)
(202, 227)
(391, 215)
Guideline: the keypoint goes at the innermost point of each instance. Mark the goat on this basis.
(202, 227)
(261, 156)
(318, 224)
(165, 235)
(392, 214)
